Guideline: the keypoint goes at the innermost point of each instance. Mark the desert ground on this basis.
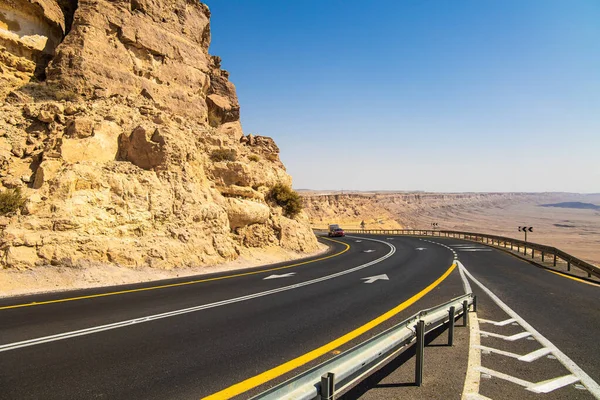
(576, 231)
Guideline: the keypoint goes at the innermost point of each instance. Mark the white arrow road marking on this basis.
(421, 248)
(358, 241)
(121, 324)
(279, 276)
(534, 355)
(368, 251)
(390, 238)
(501, 323)
(372, 279)
(537, 387)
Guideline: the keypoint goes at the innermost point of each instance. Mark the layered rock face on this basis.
(29, 34)
(400, 210)
(128, 144)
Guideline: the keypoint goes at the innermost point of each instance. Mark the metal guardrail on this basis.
(342, 371)
(520, 246)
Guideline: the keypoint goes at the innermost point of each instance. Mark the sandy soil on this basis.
(575, 231)
(53, 278)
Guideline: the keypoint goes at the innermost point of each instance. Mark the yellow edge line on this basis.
(273, 373)
(91, 296)
(575, 279)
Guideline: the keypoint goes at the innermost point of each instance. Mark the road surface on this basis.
(238, 333)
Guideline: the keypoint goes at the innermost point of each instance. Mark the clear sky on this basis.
(436, 95)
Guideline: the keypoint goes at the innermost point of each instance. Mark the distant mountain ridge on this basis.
(574, 204)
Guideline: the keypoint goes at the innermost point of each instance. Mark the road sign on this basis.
(526, 229)
(435, 225)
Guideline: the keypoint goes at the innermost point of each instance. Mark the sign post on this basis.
(526, 229)
(362, 225)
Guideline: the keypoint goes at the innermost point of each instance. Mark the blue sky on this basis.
(436, 95)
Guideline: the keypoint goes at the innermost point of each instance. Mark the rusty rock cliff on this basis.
(124, 136)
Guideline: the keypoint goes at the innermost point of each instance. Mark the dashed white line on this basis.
(121, 324)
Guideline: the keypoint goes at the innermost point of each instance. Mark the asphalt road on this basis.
(192, 337)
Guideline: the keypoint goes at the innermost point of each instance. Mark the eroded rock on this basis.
(114, 150)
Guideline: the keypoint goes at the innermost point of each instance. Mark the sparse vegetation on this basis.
(11, 200)
(287, 199)
(65, 94)
(253, 157)
(44, 91)
(223, 155)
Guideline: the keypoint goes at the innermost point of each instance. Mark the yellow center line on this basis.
(170, 285)
(574, 278)
(273, 373)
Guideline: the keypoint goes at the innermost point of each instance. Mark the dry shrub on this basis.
(223, 155)
(287, 199)
(11, 200)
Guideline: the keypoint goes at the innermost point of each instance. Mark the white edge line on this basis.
(473, 377)
(121, 324)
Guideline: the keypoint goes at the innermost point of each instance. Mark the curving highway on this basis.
(238, 333)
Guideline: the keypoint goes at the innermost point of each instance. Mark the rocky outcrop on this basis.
(114, 144)
(389, 210)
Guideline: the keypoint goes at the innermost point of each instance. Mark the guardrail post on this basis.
(568, 265)
(555, 259)
(451, 326)
(465, 313)
(532, 252)
(525, 250)
(474, 303)
(327, 386)
(542, 256)
(420, 350)
(511, 245)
